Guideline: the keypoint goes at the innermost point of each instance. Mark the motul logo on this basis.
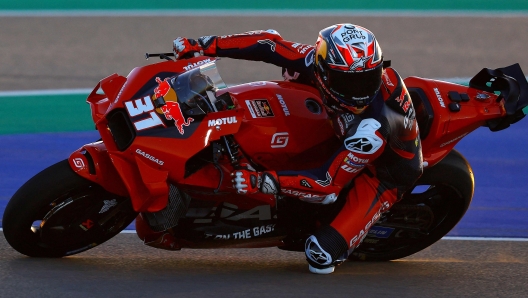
(283, 105)
(440, 100)
(357, 159)
(196, 64)
(222, 121)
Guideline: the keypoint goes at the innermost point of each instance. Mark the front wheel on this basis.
(422, 217)
(58, 213)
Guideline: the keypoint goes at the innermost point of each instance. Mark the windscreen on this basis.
(191, 87)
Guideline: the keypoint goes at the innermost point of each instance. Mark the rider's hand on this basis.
(182, 46)
(249, 181)
(245, 181)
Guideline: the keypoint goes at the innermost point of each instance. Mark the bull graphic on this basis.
(173, 111)
(163, 87)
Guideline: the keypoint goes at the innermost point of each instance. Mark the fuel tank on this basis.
(286, 126)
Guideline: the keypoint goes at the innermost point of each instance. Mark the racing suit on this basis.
(381, 153)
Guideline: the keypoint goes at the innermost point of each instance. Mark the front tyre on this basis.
(58, 213)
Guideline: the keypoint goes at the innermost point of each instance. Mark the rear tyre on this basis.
(59, 213)
(421, 218)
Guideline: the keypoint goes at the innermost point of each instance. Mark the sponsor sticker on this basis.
(244, 234)
(107, 204)
(78, 162)
(439, 97)
(380, 232)
(280, 140)
(196, 64)
(259, 108)
(283, 105)
(149, 157)
(86, 225)
(222, 121)
(308, 60)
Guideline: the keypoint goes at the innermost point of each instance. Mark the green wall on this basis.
(486, 5)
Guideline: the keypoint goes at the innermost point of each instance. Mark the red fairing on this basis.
(285, 126)
(278, 125)
(449, 127)
(93, 163)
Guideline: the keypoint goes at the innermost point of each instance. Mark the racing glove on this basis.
(249, 181)
(183, 47)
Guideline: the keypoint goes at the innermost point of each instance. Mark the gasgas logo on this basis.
(149, 157)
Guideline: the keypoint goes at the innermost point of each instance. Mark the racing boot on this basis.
(324, 250)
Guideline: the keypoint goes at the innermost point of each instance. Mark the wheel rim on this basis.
(418, 221)
(80, 220)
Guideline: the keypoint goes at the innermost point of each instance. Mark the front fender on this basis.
(92, 162)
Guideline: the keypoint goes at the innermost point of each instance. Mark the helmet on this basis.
(348, 66)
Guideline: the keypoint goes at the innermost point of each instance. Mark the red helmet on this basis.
(348, 66)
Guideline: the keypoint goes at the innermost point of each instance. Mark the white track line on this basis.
(261, 12)
(485, 238)
(444, 238)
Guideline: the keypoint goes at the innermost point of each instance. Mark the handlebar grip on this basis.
(160, 55)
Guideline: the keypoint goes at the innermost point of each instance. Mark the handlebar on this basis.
(167, 56)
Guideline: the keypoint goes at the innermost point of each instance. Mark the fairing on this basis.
(153, 126)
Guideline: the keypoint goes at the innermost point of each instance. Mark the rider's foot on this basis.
(327, 270)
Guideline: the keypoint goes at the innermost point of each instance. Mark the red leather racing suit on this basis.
(381, 153)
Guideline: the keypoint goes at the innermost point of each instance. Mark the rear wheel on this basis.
(59, 213)
(439, 200)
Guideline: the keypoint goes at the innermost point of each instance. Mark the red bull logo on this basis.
(172, 111)
(163, 87)
(266, 107)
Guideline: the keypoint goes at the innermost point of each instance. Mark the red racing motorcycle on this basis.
(172, 132)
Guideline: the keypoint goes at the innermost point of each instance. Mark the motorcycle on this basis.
(172, 131)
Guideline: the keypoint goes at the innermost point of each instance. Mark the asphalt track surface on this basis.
(123, 267)
(58, 53)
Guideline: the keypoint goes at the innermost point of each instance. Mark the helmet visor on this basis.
(354, 88)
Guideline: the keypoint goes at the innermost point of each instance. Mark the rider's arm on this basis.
(262, 45)
(363, 143)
